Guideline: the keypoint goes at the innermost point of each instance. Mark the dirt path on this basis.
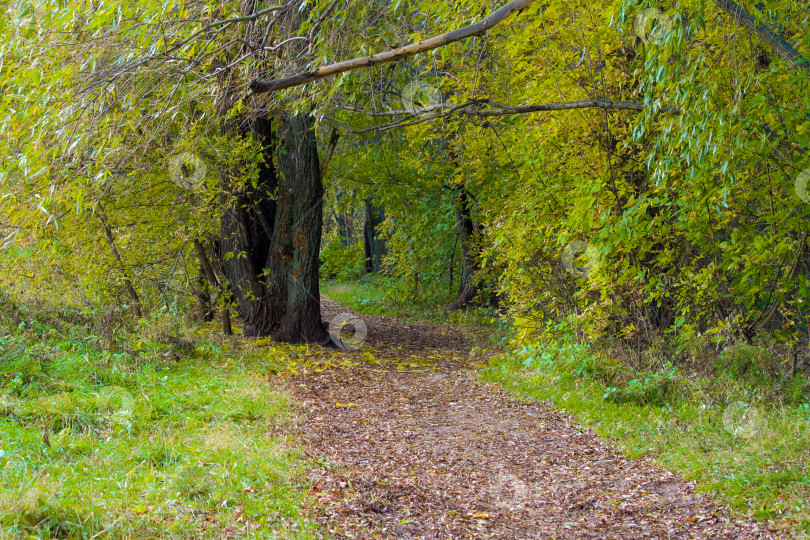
(415, 448)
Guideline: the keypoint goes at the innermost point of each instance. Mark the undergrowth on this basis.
(163, 432)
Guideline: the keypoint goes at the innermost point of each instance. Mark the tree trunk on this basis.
(225, 319)
(271, 226)
(204, 298)
(469, 233)
(246, 243)
(451, 266)
(374, 245)
(330, 151)
(208, 271)
(296, 247)
(272, 246)
(344, 224)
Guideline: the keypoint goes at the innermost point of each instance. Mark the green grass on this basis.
(675, 419)
(764, 476)
(171, 437)
(359, 296)
(374, 295)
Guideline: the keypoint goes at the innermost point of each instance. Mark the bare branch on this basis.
(395, 54)
(568, 105)
(441, 110)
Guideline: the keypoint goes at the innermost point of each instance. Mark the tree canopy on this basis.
(640, 168)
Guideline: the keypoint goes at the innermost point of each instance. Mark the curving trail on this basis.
(413, 447)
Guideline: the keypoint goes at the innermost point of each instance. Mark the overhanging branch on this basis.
(393, 55)
(504, 110)
(442, 110)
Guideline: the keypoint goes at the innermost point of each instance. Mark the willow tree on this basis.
(100, 94)
(692, 205)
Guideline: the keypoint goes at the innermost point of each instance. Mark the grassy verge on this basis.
(758, 466)
(369, 298)
(757, 461)
(170, 435)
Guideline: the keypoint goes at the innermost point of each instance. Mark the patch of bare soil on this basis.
(413, 447)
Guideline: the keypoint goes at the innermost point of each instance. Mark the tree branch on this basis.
(501, 110)
(130, 288)
(330, 151)
(393, 55)
(779, 45)
(245, 18)
(504, 110)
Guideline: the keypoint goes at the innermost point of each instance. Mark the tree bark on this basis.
(469, 233)
(205, 264)
(225, 319)
(204, 298)
(295, 250)
(246, 243)
(374, 245)
(274, 244)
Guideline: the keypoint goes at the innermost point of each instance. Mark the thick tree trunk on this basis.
(296, 247)
(271, 227)
(469, 233)
(246, 243)
(273, 245)
(374, 244)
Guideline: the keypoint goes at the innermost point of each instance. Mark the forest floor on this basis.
(408, 444)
